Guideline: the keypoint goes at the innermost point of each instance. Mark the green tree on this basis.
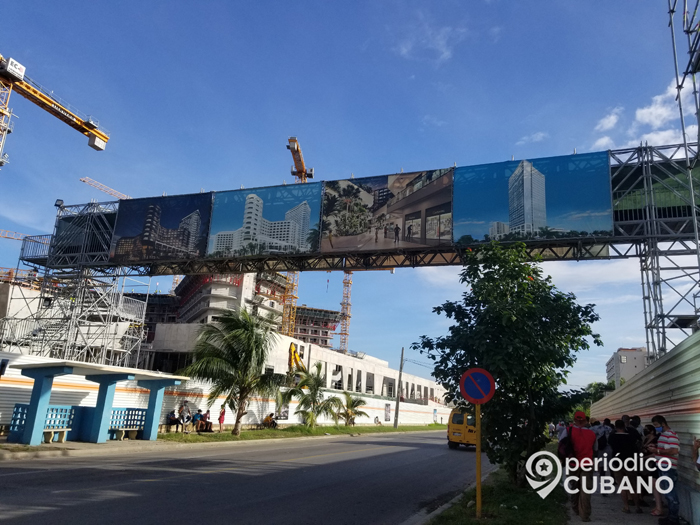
(309, 393)
(513, 322)
(350, 408)
(231, 353)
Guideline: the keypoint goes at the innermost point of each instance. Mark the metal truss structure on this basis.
(655, 219)
(80, 311)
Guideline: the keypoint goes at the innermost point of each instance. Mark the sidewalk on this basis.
(115, 448)
(607, 510)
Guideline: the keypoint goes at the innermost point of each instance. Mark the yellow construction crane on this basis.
(106, 189)
(12, 77)
(7, 234)
(289, 299)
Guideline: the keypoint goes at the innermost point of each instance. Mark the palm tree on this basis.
(309, 392)
(350, 409)
(231, 353)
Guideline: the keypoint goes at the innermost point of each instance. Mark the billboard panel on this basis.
(567, 197)
(266, 221)
(405, 210)
(161, 228)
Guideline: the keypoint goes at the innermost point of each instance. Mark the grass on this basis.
(290, 432)
(498, 490)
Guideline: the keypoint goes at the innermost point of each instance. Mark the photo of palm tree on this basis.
(404, 210)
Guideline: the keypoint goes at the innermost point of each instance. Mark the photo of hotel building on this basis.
(161, 228)
(260, 235)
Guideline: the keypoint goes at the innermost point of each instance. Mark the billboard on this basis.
(277, 220)
(563, 197)
(405, 210)
(161, 228)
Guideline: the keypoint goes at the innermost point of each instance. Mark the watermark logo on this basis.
(543, 472)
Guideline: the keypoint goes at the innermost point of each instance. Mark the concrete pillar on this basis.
(155, 404)
(39, 402)
(378, 384)
(99, 426)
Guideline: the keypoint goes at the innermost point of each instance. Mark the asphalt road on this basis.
(382, 479)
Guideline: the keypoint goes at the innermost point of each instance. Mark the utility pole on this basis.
(398, 392)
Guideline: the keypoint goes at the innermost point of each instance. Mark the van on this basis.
(461, 429)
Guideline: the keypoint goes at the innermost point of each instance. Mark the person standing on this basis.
(397, 231)
(222, 415)
(624, 446)
(666, 450)
(409, 232)
(184, 416)
(585, 445)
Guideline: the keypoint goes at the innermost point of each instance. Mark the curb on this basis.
(423, 517)
(138, 448)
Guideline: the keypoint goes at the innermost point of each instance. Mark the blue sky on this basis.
(203, 95)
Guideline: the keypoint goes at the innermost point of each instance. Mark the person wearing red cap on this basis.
(585, 444)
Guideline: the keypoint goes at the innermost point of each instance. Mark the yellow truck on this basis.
(461, 429)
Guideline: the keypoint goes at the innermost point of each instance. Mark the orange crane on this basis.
(123, 196)
(7, 234)
(13, 77)
(106, 189)
(289, 299)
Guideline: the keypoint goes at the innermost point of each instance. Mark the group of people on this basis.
(201, 422)
(623, 439)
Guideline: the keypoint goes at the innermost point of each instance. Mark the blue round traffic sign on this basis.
(477, 386)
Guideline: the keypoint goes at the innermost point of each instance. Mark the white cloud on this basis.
(585, 276)
(427, 41)
(603, 143)
(430, 120)
(538, 136)
(662, 109)
(25, 214)
(609, 121)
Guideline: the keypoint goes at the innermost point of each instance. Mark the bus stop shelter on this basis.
(95, 427)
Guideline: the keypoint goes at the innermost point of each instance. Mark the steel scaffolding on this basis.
(80, 312)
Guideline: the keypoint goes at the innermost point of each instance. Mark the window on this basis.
(458, 418)
(623, 359)
(269, 370)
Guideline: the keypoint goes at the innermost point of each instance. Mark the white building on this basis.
(498, 229)
(625, 364)
(287, 236)
(527, 207)
(191, 224)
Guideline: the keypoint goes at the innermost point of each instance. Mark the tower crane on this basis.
(289, 299)
(13, 77)
(106, 189)
(123, 196)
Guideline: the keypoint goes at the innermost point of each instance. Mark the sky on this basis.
(203, 96)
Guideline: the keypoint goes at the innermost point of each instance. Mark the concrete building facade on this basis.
(625, 363)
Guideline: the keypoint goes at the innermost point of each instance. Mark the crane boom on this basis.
(84, 124)
(12, 77)
(114, 193)
(299, 169)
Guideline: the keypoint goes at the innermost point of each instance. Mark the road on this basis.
(380, 478)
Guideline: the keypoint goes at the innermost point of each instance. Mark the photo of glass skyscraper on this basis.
(527, 206)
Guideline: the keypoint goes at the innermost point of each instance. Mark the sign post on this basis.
(477, 386)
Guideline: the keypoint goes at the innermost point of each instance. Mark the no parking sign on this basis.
(477, 386)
